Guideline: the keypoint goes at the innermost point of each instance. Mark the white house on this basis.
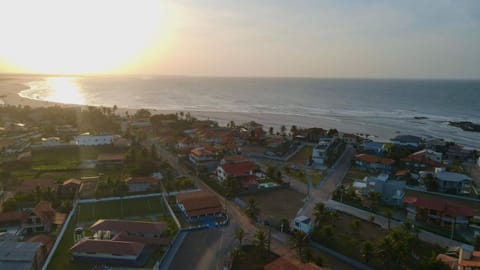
(320, 152)
(302, 223)
(429, 154)
(86, 139)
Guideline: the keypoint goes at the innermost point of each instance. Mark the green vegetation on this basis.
(248, 257)
(315, 175)
(177, 184)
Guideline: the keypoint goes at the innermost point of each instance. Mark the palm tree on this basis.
(239, 235)
(270, 131)
(283, 129)
(367, 251)
(389, 215)
(355, 225)
(293, 130)
(231, 124)
(252, 209)
(260, 241)
(318, 212)
(235, 253)
(299, 241)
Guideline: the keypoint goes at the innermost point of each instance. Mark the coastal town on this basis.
(103, 188)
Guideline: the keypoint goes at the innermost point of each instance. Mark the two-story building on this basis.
(199, 205)
(451, 182)
(321, 151)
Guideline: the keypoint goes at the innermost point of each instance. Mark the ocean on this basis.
(379, 107)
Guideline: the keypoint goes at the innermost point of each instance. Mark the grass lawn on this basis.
(250, 259)
(119, 209)
(91, 212)
(302, 156)
(316, 176)
(276, 205)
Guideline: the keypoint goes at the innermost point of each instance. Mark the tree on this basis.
(367, 251)
(270, 130)
(283, 129)
(239, 235)
(232, 186)
(231, 124)
(235, 253)
(430, 183)
(252, 210)
(142, 113)
(476, 243)
(293, 130)
(260, 242)
(270, 172)
(332, 132)
(299, 242)
(374, 197)
(318, 213)
(278, 177)
(355, 225)
(431, 263)
(389, 215)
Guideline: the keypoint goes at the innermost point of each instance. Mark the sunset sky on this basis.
(380, 39)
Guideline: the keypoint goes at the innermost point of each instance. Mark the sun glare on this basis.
(87, 36)
(64, 90)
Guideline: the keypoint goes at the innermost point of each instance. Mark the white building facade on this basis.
(93, 140)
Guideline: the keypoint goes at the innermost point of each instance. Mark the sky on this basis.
(341, 38)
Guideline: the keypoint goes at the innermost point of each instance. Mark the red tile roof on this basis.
(200, 203)
(423, 160)
(439, 205)
(137, 180)
(146, 240)
(116, 225)
(239, 169)
(31, 185)
(473, 262)
(374, 159)
(201, 152)
(402, 173)
(109, 247)
(45, 212)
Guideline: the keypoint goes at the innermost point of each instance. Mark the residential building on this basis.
(391, 191)
(302, 223)
(199, 205)
(437, 210)
(142, 184)
(15, 255)
(132, 231)
(409, 141)
(322, 150)
(351, 138)
(71, 185)
(468, 258)
(252, 131)
(108, 252)
(430, 155)
(451, 182)
(458, 152)
(93, 140)
(203, 157)
(312, 134)
(42, 218)
(374, 163)
(374, 148)
(240, 169)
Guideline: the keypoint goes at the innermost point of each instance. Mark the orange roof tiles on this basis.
(200, 203)
(109, 247)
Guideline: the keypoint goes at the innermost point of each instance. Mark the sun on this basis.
(81, 36)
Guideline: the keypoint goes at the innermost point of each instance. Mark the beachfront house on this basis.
(455, 183)
(391, 191)
(409, 141)
(374, 148)
(241, 169)
(200, 156)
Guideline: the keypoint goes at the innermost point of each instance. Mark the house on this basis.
(186, 143)
(86, 139)
(437, 210)
(154, 233)
(108, 252)
(468, 258)
(203, 157)
(110, 160)
(351, 138)
(312, 134)
(374, 148)
(71, 185)
(40, 219)
(374, 163)
(21, 255)
(409, 141)
(321, 151)
(252, 131)
(429, 155)
(391, 191)
(12, 219)
(451, 182)
(290, 263)
(30, 186)
(302, 223)
(141, 184)
(240, 169)
(421, 162)
(458, 152)
(199, 205)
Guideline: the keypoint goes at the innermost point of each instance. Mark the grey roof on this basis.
(451, 176)
(17, 255)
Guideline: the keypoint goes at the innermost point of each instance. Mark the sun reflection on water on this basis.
(65, 90)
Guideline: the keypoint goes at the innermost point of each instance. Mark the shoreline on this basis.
(11, 87)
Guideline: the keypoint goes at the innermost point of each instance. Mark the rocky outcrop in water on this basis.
(466, 125)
